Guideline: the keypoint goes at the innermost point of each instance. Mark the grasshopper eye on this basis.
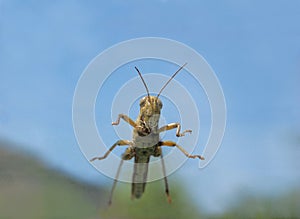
(142, 102)
(159, 103)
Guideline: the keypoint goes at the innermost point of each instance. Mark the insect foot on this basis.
(195, 156)
(183, 133)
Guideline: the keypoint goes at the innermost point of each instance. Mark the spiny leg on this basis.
(173, 126)
(127, 155)
(115, 183)
(165, 179)
(126, 119)
(118, 143)
(173, 144)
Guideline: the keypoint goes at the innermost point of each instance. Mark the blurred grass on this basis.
(279, 206)
(28, 189)
(153, 204)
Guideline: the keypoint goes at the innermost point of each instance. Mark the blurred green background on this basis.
(253, 47)
(29, 189)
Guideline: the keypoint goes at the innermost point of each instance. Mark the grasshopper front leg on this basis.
(173, 144)
(118, 143)
(173, 126)
(126, 119)
(139, 128)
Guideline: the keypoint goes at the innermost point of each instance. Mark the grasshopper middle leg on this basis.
(173, 144)
(118, 143)
(173, 126)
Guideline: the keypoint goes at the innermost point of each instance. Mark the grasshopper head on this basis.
(149, 106)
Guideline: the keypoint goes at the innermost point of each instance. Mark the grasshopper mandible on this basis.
(146, 141)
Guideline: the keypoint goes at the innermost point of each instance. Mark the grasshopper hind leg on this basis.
(158, 153)
(127, 155)
(165, 179)
(115, 183)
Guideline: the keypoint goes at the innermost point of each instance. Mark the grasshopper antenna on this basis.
(171, 79)
(143, 81)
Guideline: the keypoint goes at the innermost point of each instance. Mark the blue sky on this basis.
(253, 47)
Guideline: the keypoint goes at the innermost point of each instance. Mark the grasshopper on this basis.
(146, 141)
